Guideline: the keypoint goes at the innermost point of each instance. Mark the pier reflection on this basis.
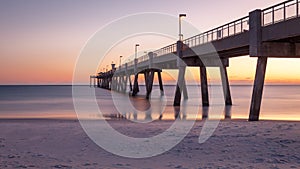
(150, 110)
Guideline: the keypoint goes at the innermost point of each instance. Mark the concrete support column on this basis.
(258, 88)
(90, 81)
(184, 90)
(130, 84)
(225, 85)
(135, 85)
(150, 83)
(115, 83)
(205, 112)
(160, 83)
(118, 83)
(146, 75)
(98, 82)
(109, 83)
(255, 18)
(127, 77)
(125, 83)
(150, 55)
(227, 111)
(181, 86)
(104, 82)
(204, 86)
(122, 83)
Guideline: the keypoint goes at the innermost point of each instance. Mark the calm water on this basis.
(279, 103)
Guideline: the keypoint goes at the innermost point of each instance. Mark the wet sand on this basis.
(234, 144)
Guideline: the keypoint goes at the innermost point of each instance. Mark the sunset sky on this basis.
(41, 39)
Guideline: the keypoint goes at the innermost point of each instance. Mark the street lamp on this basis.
(180, 34)
(120, 59)
(136, 45)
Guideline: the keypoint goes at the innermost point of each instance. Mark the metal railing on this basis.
(230, 29)
(280, 12)
(159, 52)
(166, 50)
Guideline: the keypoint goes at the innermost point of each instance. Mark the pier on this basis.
(273, 32)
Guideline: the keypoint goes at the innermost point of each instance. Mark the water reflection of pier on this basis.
(143, 113)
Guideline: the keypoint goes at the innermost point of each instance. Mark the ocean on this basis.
(280, 102)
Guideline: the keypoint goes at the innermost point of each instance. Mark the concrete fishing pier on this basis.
(273, 32)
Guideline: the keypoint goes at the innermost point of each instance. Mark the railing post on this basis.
(273, 16)
(297, 7)
(242, 25)
(228, 29)
(284, 12)
(150, 55)
(234, 29)
(263, 19)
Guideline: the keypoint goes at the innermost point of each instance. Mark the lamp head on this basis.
(182, 15)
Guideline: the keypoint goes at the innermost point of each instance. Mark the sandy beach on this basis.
(234, 144)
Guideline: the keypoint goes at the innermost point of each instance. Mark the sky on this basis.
(41, 39)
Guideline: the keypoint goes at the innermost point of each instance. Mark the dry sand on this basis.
(234, 144)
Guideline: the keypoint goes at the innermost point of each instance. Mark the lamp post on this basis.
(120, 60)
(136, 45)
(180, 33)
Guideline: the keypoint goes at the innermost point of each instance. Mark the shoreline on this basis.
(120, 119)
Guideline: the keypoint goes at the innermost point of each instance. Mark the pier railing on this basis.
(274, 14)
(230, 29)
(280, 12)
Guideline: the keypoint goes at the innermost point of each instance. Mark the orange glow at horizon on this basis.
(240, 71)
